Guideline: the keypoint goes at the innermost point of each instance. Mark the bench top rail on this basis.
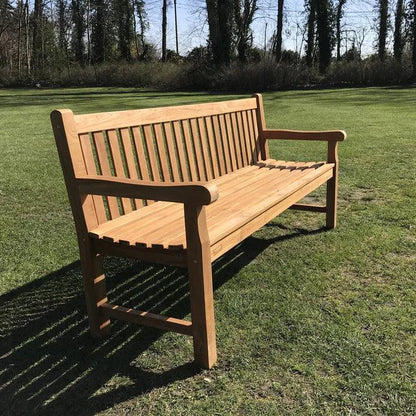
(120, 119)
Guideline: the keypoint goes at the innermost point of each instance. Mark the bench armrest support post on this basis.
(261, 125)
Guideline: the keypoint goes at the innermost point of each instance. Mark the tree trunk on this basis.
(37, 34)
(414, 40)
(324, 34)
(27, 33)
(164, 25)
(383, 23)
(79, 30)
(122, 11)
(88, 32)
(61, 25)
(220, 18)
(339, 14)
(310, 42)
(225, 10)
(98, 38)
(19, 39)
(279, 30)
(142, 22)
(398, 35)
(243, 19)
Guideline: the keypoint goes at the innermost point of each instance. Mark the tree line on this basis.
(41, 34)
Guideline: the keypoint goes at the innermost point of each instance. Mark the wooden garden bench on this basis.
(180, 186)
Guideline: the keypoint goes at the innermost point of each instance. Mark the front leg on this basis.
(201, 287)
(332, 187)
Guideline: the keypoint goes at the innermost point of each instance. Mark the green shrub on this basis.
(196, 72)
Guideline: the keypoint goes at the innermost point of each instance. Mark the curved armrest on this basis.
(187, 193)
(330, 135)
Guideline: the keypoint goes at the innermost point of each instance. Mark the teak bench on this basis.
(180, 186)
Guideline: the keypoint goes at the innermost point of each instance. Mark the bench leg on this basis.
(202, 311)
(332, 188)
(331, 204)
(95, 291)
(201, 287)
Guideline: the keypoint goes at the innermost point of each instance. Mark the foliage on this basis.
(352, 54)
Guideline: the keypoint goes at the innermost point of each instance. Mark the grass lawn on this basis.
(309, 322)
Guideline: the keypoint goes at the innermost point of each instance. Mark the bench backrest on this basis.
(187, 143)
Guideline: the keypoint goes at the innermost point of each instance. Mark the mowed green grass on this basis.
(309, 322)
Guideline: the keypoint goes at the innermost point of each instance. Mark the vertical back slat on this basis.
(245, 137)
(148, 137)
(167, 128)
(196, 139)
(241, 141)
(189, 150)
(237, 144)
(92, 170)
(129, 158)
(231, 143)
(212, 147)
(118, 165)
(218, 144)
(142, 172)
(225, 143)
(181, 152)
(248, 137)
(140, 153)
(103, 161)
(205, 149)
(161, 150)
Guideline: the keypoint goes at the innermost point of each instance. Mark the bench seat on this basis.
(244, 195)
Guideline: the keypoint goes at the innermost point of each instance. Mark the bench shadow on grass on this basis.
(50, 364)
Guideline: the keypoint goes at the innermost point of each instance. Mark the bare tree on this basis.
(243, 17)
(360, 35)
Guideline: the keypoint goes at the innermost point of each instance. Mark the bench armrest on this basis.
(187, 193)
(330, 135)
